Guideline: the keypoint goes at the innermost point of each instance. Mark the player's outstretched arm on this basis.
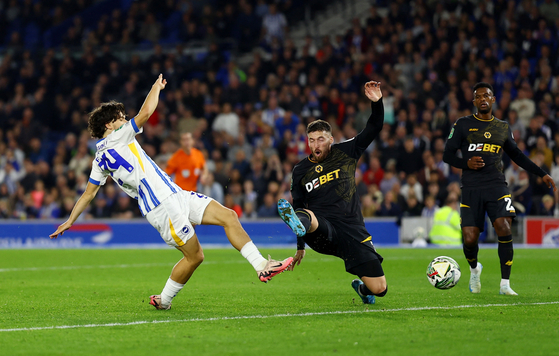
(376, 120)
(296, 259)
(549, 182)
(150, 104)
(82, 203)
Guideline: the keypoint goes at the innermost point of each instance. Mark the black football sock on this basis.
(471, 254)
(364, 290)
(304, 217)
(506, 253)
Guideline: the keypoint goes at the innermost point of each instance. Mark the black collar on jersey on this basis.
(492, 117)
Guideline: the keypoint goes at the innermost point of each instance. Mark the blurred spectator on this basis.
(375, 173)
(522, 193)
(269, 207)
(430, 208)
(228, 202)
(389, 206)
(413, 206)
(524, 105)
(248, 211)
(547, 206)
(125, 208)
(512, 173)
(541, 147)
(211, 188)
(412, 187)
(187, 165)
(227, 123)
(368, 206)
(100, 208)
(409, 158)
(274, 24)
(272, 113)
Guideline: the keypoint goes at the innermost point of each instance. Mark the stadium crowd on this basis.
(249, 122)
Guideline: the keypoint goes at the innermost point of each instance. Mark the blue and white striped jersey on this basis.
(121, 156)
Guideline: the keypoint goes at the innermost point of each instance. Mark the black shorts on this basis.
(496, 201)
(353, 244)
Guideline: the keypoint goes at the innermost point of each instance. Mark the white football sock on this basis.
(505, 283)
(253, 256)
(171, 289)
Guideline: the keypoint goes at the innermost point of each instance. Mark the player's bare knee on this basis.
(502, 228)
(196, 259)
(469, 239)
(379, 288)
(229, 217)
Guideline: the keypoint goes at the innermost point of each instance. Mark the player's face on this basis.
(483, 100)
(187, 142)
(117, 123)
(319, 143)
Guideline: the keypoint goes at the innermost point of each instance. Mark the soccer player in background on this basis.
(187, 164)
(169, 209)
(482, 138)
(326, 212)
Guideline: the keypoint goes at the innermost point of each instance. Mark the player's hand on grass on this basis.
(296, 259)
(372, 91)
(60, 231)
(160, 82)
(476, 162)
(549, 182)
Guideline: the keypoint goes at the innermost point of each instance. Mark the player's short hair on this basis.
(102, 115)
(483, 85)
(319, 125)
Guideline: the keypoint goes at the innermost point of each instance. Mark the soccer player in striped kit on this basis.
(168, 208)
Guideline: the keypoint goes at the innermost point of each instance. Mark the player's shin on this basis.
(506, 253)
(470, 252)
(305, 218)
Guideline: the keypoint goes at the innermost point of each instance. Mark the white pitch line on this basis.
(245, 317)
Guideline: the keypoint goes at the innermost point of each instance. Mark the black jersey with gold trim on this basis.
(485, 138)
(328, 188)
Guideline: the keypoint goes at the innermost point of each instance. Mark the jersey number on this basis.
(509, 204)
(107, 165)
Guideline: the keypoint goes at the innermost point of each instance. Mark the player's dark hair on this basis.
(319, 125)
(483, 85)
(104, 114)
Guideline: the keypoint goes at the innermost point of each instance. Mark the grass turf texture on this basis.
(225, 310)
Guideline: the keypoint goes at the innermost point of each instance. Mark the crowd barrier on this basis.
(139, 233)
(270, 232)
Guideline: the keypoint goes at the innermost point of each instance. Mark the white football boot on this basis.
(475, 283)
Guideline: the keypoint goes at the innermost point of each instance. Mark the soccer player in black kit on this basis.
(482, 139)
(326, 212)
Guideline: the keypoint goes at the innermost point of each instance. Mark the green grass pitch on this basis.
(95, 302)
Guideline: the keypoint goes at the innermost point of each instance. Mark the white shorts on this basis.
(174, 217)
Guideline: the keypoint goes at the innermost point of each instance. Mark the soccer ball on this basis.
(443, 272)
